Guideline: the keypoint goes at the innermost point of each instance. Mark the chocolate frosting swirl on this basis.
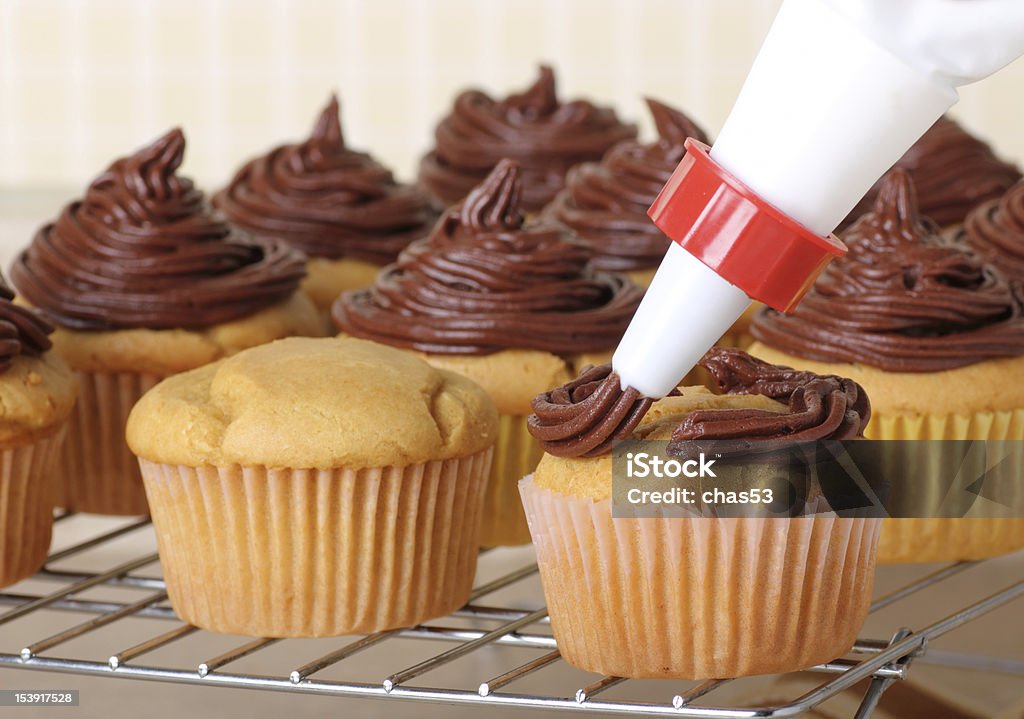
(486, 280)
(23, 331)
(143, 249)
(606, 203)
(327, 200)
(585, 416)
(953, 171)
(995, 231)
(904, 299)
(819, 406)
(546, 136)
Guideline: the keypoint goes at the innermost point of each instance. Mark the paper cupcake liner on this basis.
(26, 507)
(698, 598)
(948, 539)
(97, 472)
(316, 553)
(516, 454)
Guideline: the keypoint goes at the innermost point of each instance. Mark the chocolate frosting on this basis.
(23, 331)
(904, 299)
(954, 172)
(606, 202)
(486, 280)
(585, 416)
(819, 406)
(546, 136)
(995, 231)
(327, 200)
(143, 249)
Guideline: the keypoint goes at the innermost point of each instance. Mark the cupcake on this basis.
(341, 207)
(544, 135)
(606, 202)
(695, 597)
(936, 337)
(37, 392)
(334, 487)
(953, 170)
(142, 281)
(995, 230)
(511, 304)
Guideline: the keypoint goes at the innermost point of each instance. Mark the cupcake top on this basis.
(953, 170)
(545, 135)
(486, 280)
(995, 230)
(903, 300)
(37, 390)
(327, 200)
(312, 403)
(143, 249)
(585, 416)
(606, 202)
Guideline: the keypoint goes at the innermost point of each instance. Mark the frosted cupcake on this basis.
(695, 597)
(545, 135)
(606, 202)
(37, 392)
(143, 280)
(934, 334)
(954, 172)
(341, 207)
(315, 487)
(508, 303)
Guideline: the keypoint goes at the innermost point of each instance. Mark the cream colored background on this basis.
(82, 82)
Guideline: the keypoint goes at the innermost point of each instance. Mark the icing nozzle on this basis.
(729, 246)
(740, 236)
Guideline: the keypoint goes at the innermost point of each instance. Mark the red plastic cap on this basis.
(746, 241)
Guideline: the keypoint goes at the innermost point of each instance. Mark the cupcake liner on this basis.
(949, 539)
(97, 472)
(516, 454)
(315, 553)
(26, 506)
(698, 598)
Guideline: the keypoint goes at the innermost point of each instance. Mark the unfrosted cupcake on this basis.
(692, 597)
(606, 202)
(511, 304)
(954, 172)
(143, 280)
(315, 487)
(37, 392)
(936, 337)
(543, 134)
(341, 207)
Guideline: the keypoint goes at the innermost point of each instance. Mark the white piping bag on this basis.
(838, 92)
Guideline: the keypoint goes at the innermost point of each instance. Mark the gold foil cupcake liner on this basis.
(698, 598)
(26, 506)
(516, 454)
(97, 472)
(317, 553)
(948, 539)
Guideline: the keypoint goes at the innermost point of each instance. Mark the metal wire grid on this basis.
(883, 661)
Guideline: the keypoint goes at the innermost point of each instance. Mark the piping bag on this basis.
(838, 92)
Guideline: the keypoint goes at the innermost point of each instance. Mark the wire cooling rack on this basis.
(472, 630)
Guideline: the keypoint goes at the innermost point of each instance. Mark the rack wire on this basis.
(472, 629)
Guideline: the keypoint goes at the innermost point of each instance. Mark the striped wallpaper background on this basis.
(83, 81)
